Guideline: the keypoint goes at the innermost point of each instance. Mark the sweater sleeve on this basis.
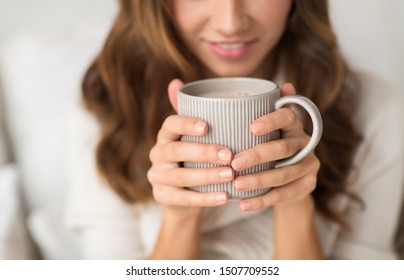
(377, 178)
(107, 227)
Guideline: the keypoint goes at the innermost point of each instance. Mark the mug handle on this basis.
(315, 116)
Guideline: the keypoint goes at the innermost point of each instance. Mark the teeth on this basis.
(234, 46)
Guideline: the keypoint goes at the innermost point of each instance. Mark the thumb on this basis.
(288, 89)
(173, 89)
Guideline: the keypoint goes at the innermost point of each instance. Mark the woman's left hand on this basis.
(289, 183)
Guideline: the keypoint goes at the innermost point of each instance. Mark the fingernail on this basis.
(200, 127)
(246, 206)
(238, 163)
(221, 197)
(225, 173)
(224, 155)
(258, 128)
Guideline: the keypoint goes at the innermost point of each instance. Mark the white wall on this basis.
(371, 33)
(16, 15)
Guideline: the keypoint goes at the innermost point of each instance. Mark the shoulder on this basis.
(377, 174)
(379, 118)
(81, 122)
(89, 198)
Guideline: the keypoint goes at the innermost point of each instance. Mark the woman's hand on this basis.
(289, 183)
(179, 236)
(169, 180)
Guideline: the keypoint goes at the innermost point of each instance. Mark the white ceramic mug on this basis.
(229, 106)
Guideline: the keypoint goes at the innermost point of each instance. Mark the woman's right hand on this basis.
(169, 180)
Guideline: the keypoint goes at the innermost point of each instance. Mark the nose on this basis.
(229, 17)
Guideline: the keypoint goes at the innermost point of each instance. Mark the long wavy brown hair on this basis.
(126, 89)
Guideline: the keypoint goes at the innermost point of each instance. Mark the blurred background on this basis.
(46, 45)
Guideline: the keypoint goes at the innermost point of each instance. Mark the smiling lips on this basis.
(231, 50)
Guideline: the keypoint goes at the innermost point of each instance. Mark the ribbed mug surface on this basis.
(229, 119)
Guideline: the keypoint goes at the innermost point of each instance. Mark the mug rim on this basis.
(275, 87)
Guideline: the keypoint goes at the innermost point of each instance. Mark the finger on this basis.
(173, 89)
(278, 119)
(295, 190)
(172, 196)
(191, 177)
(277, 177)
(196, 152)
(268, 152)
(174, 126)
(288, 89)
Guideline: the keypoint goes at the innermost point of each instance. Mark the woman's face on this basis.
(231, 37)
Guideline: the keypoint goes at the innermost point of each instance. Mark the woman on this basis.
(314, 210)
